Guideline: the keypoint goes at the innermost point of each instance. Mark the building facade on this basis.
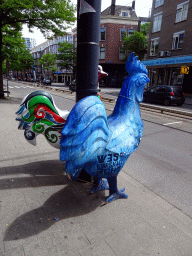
(115, 22)
(169, 58)
(61, 75)
(30, 43)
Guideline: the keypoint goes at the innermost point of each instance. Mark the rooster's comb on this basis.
(135, 66)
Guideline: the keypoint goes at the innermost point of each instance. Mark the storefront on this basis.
(63, 77)
(170, 71)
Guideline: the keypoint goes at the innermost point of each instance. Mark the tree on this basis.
(48, 61)
(137, 43)
(67, 56)
(21, 59)
(145, 28)
(50, 16)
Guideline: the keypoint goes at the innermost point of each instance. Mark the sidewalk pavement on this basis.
(43, 213)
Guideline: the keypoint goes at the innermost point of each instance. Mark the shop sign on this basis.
(184, 70)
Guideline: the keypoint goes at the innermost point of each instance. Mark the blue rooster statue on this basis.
(99, 144)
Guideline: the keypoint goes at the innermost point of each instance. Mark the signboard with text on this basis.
(184, 70)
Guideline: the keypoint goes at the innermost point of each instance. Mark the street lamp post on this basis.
(88, 32)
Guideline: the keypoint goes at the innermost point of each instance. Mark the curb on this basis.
(144, 106)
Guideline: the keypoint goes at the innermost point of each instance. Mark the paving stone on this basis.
(19, 251)
(124, 244)
(3, 172)
(95, 232)
(152, 241)
(101, 248)
(71, 241)
(2, 248)
(181, 216)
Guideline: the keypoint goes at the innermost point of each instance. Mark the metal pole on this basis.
(88, 32)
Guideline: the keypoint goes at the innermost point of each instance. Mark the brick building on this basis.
(170, 43)
(115, 21)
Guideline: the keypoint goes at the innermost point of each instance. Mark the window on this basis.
(103, 32)
(157, 22)
(102, 53)
(121, 53)
(182, 11)
(75, 43)
(124, 14)
(159, 3)
(161, 89)
(154, 47)
(178, 40)
(131, 30)
(123, 32)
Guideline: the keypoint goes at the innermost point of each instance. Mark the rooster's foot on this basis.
(119, 194)
(103, 185)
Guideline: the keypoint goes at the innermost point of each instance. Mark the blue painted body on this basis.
(100, 144)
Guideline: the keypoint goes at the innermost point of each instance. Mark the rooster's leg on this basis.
(113, 190)
(99, 185)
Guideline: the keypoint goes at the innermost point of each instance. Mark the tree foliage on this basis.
(50, 16)
(67, 56)
(136, 43)
(145, 28)
(48, 61)
(21, 59)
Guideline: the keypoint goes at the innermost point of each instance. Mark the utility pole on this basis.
(88, 36)
(88, 33)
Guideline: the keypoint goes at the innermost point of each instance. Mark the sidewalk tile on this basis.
(100, 248)
(124, 244)
(19, 251)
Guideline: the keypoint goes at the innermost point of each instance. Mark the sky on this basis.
(142, 8)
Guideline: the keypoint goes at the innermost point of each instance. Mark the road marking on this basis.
(11, 86)
(174, 123)
(17, 86)
(29, 86)
(22, 86)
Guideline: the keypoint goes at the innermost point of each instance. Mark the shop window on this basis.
(159, 3)
(154, 47)
(157, 20)
(123, 33)
(102, 53)
(121, 53)
(178, 39)
(182, 11)
(176, 77)
(103, 34)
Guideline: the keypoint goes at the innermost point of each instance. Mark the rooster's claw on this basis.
(103, 185)
(117, 195)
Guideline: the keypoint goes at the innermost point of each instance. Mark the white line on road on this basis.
(174, 123)
(16, 86)
(29, 86)
(11, 86)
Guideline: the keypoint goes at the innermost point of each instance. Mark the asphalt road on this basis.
(162, 162)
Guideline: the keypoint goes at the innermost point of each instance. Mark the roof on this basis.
(144, 19)
(118, 9)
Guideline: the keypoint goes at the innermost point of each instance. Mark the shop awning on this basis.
(168, 61)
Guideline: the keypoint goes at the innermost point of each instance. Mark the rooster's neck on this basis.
(126, 104)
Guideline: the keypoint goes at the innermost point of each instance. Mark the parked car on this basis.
(46, 81)
(165, 94)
